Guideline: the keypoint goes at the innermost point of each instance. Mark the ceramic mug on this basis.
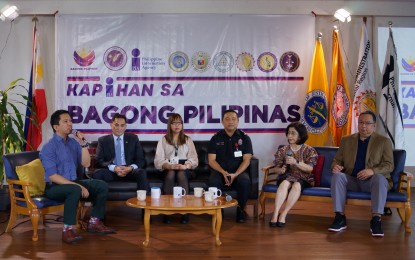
(141, 195)
(209, 196)
(178, 192)
(198, 192)
(155, 193)
(216, 192)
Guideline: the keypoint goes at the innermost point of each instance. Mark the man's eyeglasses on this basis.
(366, 123)
(176, 123)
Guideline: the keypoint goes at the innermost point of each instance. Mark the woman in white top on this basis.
(176, 155)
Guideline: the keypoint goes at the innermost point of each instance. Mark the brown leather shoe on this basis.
(70, 236)
(99, 227)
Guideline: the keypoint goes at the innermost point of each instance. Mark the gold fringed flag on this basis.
(315, 114)
(339, 100)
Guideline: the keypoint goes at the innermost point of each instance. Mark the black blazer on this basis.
(133, 151)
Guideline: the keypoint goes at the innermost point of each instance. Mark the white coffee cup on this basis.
(178, 192)
(198, 192)
(141, 195)
(155, 193)
(209, 196)
(216, 192)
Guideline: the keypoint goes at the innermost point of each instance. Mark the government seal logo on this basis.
(200, 61)
(364, 101)
(245, 61)
(315, 112)
(84, 57)
(223, 61)
(289, 61)
(115, 58)
(178, 61)
(267, 62)
(341, 105)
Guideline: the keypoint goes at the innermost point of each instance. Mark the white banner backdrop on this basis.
(148, 66)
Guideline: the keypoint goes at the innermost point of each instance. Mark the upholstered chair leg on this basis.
(34, 217)
(262, 202)
(12, 219)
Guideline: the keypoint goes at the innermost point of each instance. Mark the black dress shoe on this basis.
(240, 215)
(184, 219)
(166, 219)
(280, 224)
(273, 224)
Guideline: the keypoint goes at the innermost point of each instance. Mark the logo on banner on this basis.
(178, 61)
(223, 61)
(115, 58)
(135, 60)
(245, 61)
(409, 64)
(84, 57)
(289, 61)
(315, 112)
(200, 61)
(365, 101)
(341, 104)
(267, 62)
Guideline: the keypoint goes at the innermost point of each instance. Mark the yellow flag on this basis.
(339, 100)
(315, 114)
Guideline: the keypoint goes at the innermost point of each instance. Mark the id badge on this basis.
(238, 153)
(174, 160)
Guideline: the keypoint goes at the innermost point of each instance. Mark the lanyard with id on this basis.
(237, 153)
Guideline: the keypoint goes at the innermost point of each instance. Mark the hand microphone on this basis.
(228, 197)
(75, 133)
(288, 153)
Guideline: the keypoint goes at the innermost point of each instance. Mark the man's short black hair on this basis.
(56, 116)
(228, 111)
(118, 115)
(368, 112)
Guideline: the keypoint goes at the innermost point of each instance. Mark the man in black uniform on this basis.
(230, 152)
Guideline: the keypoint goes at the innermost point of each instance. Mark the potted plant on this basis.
(13, 100)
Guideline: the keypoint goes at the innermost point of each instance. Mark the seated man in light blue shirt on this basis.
(61, 156)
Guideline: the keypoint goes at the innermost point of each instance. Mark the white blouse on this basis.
(166, 151)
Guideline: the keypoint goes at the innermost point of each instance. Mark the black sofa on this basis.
(124, 190)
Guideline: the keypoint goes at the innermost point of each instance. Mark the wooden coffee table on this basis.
(187, 204)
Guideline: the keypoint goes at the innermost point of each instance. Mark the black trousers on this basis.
(242, 184)
(137, 175)
(70, 194)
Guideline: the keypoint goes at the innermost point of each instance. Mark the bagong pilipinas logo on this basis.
(178, 61)
(267, 62)
(289, 61)
(245, 61)
(84, 57)
(201, 61)
(341, 105)
(365, 101)
(409, 64)
(115, 58)
(315, 112)
(223, 61)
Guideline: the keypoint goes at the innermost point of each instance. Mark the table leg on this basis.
(147, 226)
(218, 226)
(214, 220)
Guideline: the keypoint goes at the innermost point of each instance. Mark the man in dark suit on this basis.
(120, 156)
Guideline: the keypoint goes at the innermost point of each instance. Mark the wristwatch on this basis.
(85, 145)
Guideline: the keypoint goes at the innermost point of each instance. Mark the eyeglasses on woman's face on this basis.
(176, 123)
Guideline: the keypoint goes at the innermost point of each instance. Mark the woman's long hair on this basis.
(169, 136)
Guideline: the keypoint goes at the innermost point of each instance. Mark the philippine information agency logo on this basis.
(223, 61)
(245, 61)
(267, 62)
(289, 61)
(201, 61)
(408, 64)
(178, 61)
(84, 57)
(315, 112)
(341, 105)
(115, 58)
(365, 101)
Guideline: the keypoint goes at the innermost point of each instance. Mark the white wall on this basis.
(15, 61)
